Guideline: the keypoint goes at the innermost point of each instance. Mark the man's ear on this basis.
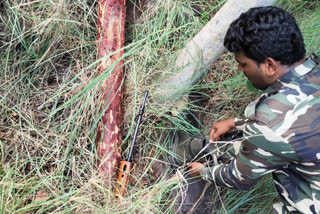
(271, 66)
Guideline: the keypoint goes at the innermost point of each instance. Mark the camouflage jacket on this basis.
(282, 137)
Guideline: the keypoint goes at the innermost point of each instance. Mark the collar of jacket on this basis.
(293, 74)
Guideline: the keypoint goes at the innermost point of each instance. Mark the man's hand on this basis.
(219, 128)
(195, 168)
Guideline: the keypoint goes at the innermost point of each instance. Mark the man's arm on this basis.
(262, 151)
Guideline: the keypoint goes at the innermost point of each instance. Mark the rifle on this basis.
(127, 166)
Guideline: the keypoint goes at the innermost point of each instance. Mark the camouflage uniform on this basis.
(282, 137)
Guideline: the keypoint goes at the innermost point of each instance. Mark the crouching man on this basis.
(282, 127)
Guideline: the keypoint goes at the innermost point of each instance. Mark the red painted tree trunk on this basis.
(111, 22)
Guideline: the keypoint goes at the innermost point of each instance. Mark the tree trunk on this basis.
(111, 22)
(206, 47)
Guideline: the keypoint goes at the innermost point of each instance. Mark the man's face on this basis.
(254, 72)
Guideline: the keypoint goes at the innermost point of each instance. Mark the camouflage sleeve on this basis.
(240, 123)
(262, 151)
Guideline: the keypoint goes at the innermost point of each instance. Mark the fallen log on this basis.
(110, 39)
(206, 47)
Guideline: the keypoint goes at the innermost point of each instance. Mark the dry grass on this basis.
(49, 112)
(48, 104)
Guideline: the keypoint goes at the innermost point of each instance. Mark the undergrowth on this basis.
(49, 90)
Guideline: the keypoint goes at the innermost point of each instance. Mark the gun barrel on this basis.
(138, 124)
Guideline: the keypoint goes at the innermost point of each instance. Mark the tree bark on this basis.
(206, 47)
(110, 38)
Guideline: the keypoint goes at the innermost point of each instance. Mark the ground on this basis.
(49, 90)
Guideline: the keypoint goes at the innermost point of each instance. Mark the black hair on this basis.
(263, 32)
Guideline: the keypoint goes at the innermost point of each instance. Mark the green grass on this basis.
(307, 16)
(49, 90)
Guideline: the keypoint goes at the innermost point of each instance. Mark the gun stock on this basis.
(123, 178)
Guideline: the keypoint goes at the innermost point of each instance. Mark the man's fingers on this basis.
(220, 128)
(217, 134)
(211, 135)
(194, 168)
(214, 135)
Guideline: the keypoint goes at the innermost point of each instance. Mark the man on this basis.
(282, 127)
